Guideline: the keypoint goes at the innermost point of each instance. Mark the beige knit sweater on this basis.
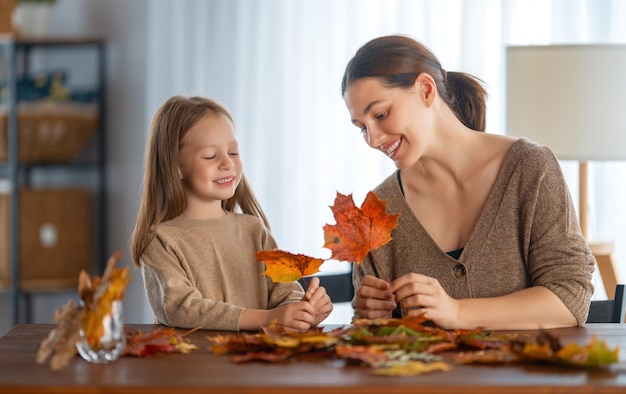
(527, 235)
(203, 273)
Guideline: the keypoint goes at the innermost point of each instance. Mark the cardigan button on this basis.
(459, 271)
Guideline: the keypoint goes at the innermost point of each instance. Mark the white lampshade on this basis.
(571, 98)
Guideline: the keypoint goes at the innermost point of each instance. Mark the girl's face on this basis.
(209, 164)
(392, 120)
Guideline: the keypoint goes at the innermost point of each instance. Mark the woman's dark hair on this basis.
(398, 60)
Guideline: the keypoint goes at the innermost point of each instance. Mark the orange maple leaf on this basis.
(358, 230)
(283, 266)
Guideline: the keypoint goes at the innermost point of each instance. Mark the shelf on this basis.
(70, 194)
(42, 286)
(49, 41)
(4, 167)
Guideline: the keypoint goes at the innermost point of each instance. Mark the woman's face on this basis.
(209, 164)
(391, 120)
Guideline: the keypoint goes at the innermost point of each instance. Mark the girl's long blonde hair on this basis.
(163, 197)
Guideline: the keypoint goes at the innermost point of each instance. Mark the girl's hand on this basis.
(423, 295)
(299, 316)
(317, 296)
(374, 299)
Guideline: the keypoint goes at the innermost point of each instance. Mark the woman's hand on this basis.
(423, 295)
(374, 299)
(317, 296)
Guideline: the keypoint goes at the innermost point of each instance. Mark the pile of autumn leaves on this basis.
(408, 346)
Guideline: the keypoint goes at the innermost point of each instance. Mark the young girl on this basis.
(196, 254)
(487, 234)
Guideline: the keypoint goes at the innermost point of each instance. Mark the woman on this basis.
(487, 234)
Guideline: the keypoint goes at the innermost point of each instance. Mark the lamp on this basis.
(572, 98)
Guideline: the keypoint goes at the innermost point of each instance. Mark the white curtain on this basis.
(277, 65)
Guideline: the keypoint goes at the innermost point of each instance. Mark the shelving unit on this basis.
(22, 56)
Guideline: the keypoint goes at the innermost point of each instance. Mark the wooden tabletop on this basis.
(200, 371)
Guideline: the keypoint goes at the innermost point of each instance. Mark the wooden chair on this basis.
(603, 252)
(609, 311)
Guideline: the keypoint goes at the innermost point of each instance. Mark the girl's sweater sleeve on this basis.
(175, 301)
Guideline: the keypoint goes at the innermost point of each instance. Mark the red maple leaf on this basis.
(358, 230)
(283, 266)
(162, 340)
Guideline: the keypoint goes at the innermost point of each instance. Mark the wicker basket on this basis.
(6, 14)
(55, 238)
(50, 132)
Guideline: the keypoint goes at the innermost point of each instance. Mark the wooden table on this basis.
(201, 372)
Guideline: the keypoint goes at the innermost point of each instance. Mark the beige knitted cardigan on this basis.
(527, 235)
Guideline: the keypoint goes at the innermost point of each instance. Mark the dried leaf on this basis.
(595, 354)
(96, 296)
(412, 368)
(163, 340)
(61, 342)
(370, 355)
(487, 356)
(274, 343)
(547, 348)
(536, 352)
(110, 287)
(315, 337)
(239, 343)
(478, 339)
(275, 356)
(283, 266)
(408, 333)
(358, 230)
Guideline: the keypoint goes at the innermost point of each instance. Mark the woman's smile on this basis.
(391, 149)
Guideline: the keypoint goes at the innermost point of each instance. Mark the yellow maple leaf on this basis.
(283, 266)
(412, 368)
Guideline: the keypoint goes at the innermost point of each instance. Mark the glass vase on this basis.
(111, 342)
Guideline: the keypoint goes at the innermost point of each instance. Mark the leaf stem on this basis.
(377, 270)
(304, 283)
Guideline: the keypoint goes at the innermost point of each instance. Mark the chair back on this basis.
(609, 311)
(338, 286)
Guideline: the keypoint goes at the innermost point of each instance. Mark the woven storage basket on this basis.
(55, 238)
(50, 132)
(6, 13)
